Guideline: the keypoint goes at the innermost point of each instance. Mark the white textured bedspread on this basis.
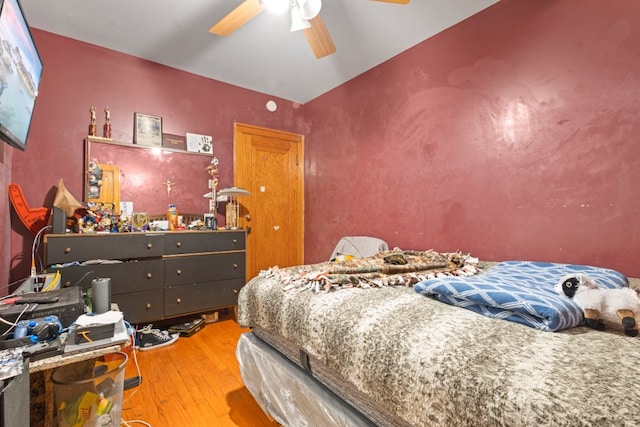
(439, 365)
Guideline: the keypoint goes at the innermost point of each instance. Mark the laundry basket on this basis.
(91, 396)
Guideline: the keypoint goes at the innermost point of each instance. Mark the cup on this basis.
(101, 295)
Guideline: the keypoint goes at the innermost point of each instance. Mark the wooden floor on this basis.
(193, 382)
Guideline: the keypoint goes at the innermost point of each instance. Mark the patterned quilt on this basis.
(387, 268)
(520, 291)
(435, 364)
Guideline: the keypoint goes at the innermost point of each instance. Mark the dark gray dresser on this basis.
(155, 276)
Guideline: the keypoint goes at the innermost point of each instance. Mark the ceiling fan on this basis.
(305, 15)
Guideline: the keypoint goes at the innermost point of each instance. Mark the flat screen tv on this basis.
(20, 73)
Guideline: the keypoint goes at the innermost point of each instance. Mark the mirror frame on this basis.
(172, 180)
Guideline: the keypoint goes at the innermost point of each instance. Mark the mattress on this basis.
(287, 393)
(402, 358)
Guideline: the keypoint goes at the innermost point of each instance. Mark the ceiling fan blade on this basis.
(394, 1)
(239, 16)
(319, 38)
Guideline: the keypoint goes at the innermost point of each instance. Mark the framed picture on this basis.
(147, 130)
(175, 142)
(197, 143)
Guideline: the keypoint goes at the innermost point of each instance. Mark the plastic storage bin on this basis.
(90, 395)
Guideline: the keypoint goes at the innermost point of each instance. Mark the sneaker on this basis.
(148, 338)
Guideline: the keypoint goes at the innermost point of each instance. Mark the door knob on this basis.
(247, 217)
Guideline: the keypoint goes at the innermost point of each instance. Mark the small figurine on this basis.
(169, 184)
(212, 170)
(107, 124)
(93, 129)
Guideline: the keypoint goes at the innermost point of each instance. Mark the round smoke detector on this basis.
(272, 106)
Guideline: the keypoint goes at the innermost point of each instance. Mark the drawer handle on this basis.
(179, 244)
(148, 306)
(235, 265)
(178, 300)
(149, 275)
(67, 250)
(149, 245)
(235, 241)
(178, 272)
(67, 284)
(235, 291)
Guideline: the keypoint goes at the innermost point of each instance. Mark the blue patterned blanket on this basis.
(520, 291)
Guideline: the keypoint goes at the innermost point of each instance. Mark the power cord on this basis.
(134, 353)
(126, 423)
(133, 381)
(13, 324)
(34, 248)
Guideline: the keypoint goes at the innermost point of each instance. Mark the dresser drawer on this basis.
(177, 243)
(199, 297)
(63, 248)
(141, 307)
(125, 276)
(162, 274)
(203, 268)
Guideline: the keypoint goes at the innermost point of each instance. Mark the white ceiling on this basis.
(263, 55)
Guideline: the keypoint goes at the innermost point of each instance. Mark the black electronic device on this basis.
(31, 298)
(132, 382)
(91, 333)
(67, 308)
(21, 78)
(58, 221)
(187, 329)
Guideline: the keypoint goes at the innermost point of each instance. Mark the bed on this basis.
(342, 345)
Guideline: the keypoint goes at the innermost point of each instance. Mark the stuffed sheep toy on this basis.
(617, 305)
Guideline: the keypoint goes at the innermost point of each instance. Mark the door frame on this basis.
(242, 178)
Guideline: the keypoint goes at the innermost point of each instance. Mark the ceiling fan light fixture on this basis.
(309, 9)
(297, 22)
(276, 6)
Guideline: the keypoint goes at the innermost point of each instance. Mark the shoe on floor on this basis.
(148, 338)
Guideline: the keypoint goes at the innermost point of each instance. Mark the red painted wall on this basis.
(512, 135)
(77, 76)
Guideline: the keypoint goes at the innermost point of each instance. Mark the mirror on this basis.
(150, 178)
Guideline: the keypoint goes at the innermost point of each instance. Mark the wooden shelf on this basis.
(97, 139)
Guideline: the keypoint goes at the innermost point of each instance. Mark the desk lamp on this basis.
(232, 212)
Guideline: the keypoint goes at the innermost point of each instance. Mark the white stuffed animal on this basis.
(617, 305)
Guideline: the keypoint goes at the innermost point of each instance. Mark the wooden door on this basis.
(270, 164)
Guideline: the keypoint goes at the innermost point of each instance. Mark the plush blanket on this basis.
(435, 364)
(386, 268)
(521, 292)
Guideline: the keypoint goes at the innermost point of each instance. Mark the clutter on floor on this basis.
(186, 329)
(149, 338)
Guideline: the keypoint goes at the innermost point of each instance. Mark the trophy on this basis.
(106, 130)
(139, 221)
(93, 129)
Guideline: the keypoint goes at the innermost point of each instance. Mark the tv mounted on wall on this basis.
(20, 73)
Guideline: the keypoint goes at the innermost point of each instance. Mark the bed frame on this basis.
(392, 357)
